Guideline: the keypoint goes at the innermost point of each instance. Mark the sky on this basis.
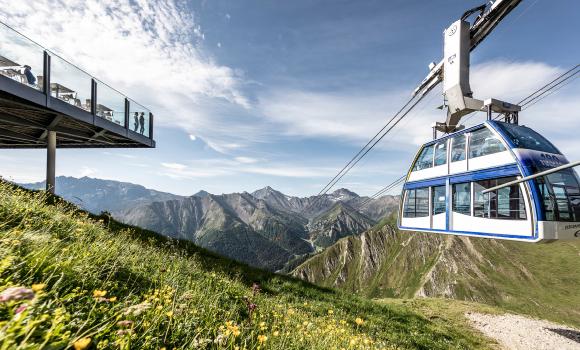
(283, 93)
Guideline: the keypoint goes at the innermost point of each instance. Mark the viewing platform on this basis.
(47, 102)
(41, 93)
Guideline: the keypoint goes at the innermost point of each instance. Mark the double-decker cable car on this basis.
(446, 187)
(496, 179)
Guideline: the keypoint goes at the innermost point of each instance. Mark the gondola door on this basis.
(438, 207)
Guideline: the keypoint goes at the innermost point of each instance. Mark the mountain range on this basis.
(266, 228)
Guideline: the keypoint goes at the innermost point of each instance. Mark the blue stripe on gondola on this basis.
(476, 175)
(426, 183)
(481, 234)
(493, 173)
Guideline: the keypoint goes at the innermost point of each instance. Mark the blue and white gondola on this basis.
(444, 189)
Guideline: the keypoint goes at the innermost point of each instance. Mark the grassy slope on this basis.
(175, 294)
(536, 279)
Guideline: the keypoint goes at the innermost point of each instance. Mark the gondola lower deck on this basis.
(445, 188)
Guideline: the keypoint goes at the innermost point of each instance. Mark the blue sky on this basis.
(283, 93)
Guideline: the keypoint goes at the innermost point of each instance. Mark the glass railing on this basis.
(70, 84)
(139, 118)
(20, 58)
(110, 104)
(24, 61)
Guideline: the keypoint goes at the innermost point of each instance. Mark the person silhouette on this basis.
(142, 123)
(136, 121)
(26, 70)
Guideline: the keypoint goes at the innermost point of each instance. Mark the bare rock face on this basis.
(290, 228)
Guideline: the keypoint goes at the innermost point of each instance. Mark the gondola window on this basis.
(425, 159)
(458, 148)
(441, 153)
(483, 142)
(462, 198)
(504, 203)
(439, 200)
(416, 203)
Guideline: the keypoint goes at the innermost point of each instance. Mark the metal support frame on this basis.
(50, 161)
(151, 125)
(93, 97)
(127, 109)
(460, 38)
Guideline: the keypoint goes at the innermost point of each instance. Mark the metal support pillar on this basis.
(50, 161)
(489, 115)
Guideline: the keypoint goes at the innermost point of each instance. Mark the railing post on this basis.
(151, 125)
(127, 108)
(93, 97)
(46, 78)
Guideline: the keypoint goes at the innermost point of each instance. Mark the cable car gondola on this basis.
(496, 179)
(446, 189)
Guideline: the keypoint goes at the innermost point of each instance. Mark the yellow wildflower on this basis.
(262, 338)
(82, 343)
(38, 287)
(99, 293)
(169, 313)
(330, 312)
(276, 333)
(359, 321)
(113, 299)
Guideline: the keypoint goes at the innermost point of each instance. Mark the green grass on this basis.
(99, 284)
(540, 280)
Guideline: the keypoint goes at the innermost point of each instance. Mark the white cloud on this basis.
(246, 160)
(174, 166)
(204, 168)
(289, 171)
(87, 171)
(356, 118)
(150, 50)
(192, 137)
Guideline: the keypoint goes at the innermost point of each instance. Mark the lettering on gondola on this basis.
(577, 234)
(550, 160)
(569, 227)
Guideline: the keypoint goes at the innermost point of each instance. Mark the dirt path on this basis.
(519, 332)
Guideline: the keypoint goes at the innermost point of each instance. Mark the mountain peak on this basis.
(343, 194)
(201, 194)
(266, 192)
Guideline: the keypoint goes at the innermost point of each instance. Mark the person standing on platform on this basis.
(142, 123)
(136, 121)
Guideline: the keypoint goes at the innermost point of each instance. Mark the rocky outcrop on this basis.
(383, 262)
